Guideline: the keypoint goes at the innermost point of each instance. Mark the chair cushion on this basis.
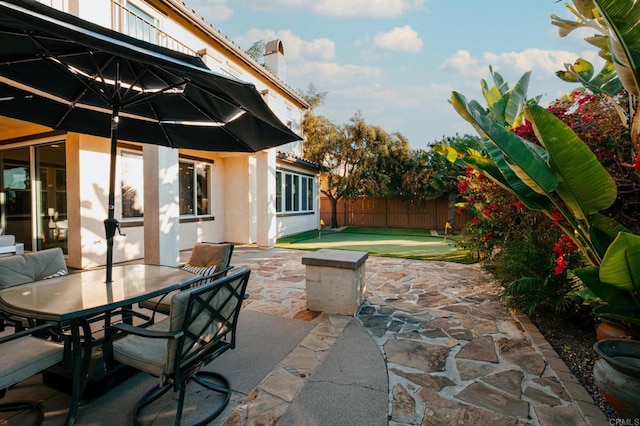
(29, 267)
(209, 254)
(158, 303)
(144, 353)
(26, 356)
(199, 326)
(163, 304)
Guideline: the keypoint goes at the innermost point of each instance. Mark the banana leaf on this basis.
(583, 68)
(614, 297)
(583, 183)
(497, 112)
(622, 18)
(517, 98)
(512, 182)
(621, 263)
(603, 231)
(524, 162)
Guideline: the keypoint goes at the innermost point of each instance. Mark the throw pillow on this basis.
(203, 271)
(60, 273)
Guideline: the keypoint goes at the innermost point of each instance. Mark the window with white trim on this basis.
(195, 188)
(294, 192)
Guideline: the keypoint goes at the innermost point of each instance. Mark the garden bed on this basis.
(574, 344)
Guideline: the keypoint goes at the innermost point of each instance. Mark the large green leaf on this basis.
(616, 313)
(616, 298)
(528, 196)
(517, 99)
(584, 184)
(621, 264)
(622, 17)
(506, 178)
(603, 231)
(525, 162)
(497, 111)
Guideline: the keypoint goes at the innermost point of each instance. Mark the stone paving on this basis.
(454, 354)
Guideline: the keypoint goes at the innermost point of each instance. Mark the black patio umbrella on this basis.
(69, 74)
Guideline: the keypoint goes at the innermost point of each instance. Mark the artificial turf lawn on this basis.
(404, 243)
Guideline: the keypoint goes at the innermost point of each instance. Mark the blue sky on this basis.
(397, 61)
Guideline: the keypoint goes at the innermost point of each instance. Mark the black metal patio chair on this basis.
(200, 327)
(22, 356)
(210, 259)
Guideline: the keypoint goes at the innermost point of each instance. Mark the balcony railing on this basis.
(128, 22)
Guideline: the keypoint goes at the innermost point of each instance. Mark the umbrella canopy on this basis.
(69, 74)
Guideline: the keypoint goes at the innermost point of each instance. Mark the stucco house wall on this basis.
(242, 185)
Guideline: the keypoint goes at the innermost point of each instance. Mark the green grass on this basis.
(401, 243)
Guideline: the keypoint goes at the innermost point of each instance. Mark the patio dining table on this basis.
(73, 300)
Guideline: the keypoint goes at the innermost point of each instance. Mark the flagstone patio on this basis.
(431, 345)
(454, 354)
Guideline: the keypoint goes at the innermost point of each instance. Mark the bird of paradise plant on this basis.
(562, 178)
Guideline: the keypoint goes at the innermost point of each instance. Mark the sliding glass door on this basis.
(33, 202)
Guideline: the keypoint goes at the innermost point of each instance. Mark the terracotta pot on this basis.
(617, 374)
(608, 329)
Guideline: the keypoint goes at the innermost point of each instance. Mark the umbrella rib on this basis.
(61, 63)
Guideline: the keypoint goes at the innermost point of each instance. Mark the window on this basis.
(132, 184)
(294, 192)
(140, 24)
(194, 188)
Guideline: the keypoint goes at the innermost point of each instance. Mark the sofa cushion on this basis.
(32, 266)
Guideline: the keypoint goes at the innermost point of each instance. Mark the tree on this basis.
(429, 174)
(313, 97)
(256, 51)
(384, 177)
(347, 156)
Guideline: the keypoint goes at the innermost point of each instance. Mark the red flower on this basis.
(636, 165)
(518, 205)
(469, 171)
(476, 220)
(459, 210)
(561, 265)
(558, 248)
(557, 217)
(567, 242)
(463, 185)
(487, 236)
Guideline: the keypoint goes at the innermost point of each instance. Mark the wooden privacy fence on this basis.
(377, 212)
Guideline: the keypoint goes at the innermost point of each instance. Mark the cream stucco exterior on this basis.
(243, 186)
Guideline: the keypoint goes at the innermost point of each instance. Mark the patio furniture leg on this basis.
(81, 362)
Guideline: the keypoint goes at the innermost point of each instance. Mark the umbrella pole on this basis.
(111, 224)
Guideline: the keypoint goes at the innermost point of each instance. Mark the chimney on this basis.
(274, 59)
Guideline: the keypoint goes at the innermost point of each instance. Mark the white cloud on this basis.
(514, 64)
(295, 48)
(404, 39)
(463, 63)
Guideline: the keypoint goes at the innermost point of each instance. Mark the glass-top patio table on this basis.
(73, 299)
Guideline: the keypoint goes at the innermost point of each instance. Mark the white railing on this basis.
(128, 22)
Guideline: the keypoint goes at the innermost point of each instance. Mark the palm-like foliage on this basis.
(560, 176)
